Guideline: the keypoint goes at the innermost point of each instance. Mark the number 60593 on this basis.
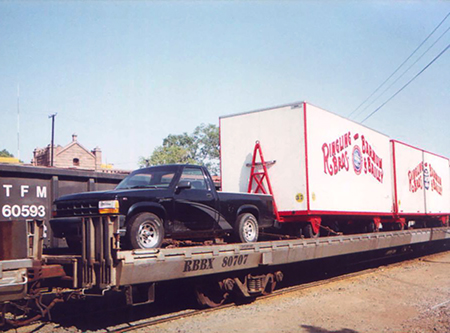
(23, 211)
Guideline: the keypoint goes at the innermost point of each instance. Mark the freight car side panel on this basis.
(24, 198)
(349, 165)
(408, 168)
(436, 184)
(280, 132)
(28, 192)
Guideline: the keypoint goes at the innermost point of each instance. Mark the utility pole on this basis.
(53, 137)
(18, 122)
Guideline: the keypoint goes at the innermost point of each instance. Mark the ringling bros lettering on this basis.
(419, 178)
(336, 157)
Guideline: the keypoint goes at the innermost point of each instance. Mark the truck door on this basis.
(195, 207)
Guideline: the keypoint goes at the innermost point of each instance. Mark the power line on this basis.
(407, 84)
(401, 65)
(401, 75)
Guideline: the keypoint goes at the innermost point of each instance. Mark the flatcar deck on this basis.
(139, 266)
(101, 264)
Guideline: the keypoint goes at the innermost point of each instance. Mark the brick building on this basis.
(74, 155)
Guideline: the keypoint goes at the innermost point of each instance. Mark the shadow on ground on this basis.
(314, 329)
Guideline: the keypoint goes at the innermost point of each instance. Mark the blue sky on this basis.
(124, 75)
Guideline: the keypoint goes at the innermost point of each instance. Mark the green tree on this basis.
(207, 139)
(167, 155)
(201, 147)
(5, 153)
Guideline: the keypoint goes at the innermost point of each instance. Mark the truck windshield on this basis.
(149, 178)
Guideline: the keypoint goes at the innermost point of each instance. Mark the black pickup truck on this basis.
(168, 201)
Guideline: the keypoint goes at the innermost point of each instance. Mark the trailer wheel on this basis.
(399, 226)
(145, 231)
(371, 227)
(246, 229)
(308, 231)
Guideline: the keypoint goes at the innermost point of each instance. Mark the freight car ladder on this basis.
(259, 175)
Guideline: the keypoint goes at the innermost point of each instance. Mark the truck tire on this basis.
(246, 228)
(145, 231)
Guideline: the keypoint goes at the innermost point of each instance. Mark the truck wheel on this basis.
(246, 229)
(145, 231)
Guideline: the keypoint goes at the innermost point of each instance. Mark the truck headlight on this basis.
(108, 207)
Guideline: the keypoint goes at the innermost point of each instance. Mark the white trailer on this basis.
(323, 164)
(422, 182)
(437, 186)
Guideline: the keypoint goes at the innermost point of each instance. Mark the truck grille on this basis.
(77, 208)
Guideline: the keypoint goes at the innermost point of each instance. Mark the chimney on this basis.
(98, 158)
(74, 137)
(34, 160)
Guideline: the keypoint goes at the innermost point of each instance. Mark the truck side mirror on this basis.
(184, 185)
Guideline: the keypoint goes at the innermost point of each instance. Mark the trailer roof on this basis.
(421, 149)
(264, 109)
(297, 104)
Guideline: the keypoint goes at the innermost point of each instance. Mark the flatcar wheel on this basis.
(210, 295)
(270, 287)
(308, 231)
